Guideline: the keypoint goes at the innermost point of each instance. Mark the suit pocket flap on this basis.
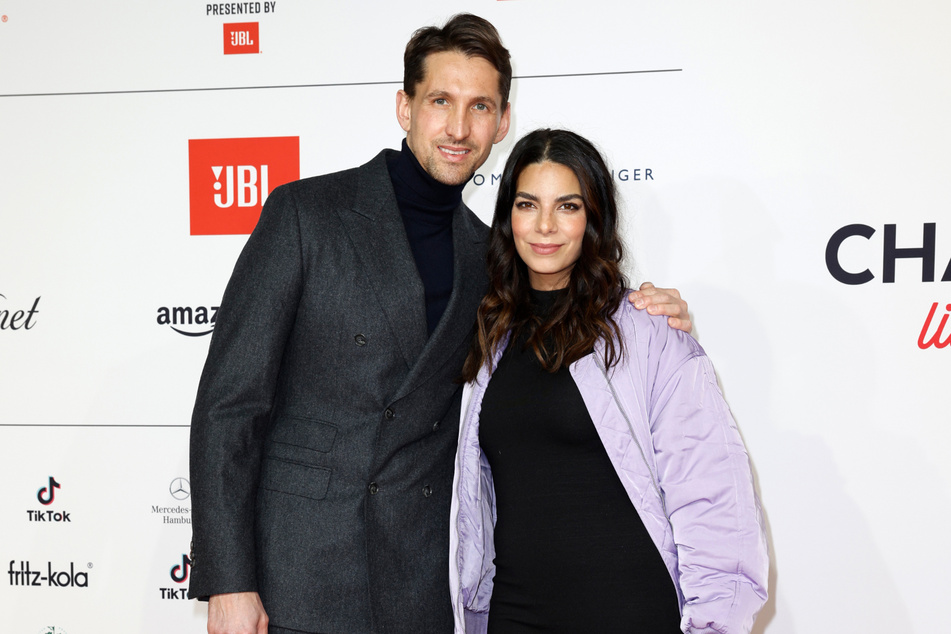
(304, 433)
(295, 479)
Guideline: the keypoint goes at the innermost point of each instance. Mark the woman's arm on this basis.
(704, 473)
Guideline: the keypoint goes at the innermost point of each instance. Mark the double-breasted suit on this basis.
(325, 426)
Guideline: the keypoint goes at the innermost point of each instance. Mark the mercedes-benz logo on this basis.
(180, 488)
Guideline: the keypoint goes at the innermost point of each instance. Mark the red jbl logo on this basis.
(241, 38)
(229, 180)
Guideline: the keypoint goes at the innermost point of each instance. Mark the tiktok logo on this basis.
(179, 572)
(47, 493)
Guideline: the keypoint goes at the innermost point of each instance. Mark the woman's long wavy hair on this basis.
(585, 314)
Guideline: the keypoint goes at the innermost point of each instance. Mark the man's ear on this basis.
(403, 111)
(504, 123)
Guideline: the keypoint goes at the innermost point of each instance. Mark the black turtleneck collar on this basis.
(417, 189)
(427, 207)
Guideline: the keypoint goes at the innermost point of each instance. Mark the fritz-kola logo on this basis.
(188, 321)
(891, 253)
(26, 575)
(179, 574)
(21, 319)
(230, 179)
(45, 496)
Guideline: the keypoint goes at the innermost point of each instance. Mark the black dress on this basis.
(572, 554)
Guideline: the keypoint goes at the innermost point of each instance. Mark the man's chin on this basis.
(450, 176)
(456, 181)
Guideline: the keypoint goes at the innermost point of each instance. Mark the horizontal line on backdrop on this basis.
(337, 85)
(68, 425)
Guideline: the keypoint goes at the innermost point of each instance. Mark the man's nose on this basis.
(457, 127)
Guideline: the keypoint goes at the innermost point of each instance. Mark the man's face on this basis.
(455, 117)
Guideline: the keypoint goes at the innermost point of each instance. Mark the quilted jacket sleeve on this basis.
(704, 473)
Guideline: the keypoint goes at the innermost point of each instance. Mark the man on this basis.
(326, 419)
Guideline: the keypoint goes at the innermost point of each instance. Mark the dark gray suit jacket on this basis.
(325, 426)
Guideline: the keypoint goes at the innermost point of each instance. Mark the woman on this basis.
(601, 484)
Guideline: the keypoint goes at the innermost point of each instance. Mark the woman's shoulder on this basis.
(651, 333)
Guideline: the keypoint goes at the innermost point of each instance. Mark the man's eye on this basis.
(481, 106)
(440, 102)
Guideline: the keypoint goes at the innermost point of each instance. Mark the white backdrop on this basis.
(768, 129)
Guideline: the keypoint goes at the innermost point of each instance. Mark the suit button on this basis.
(427, 491)
(373, 488)
(388, 414)
(360, 340)
(436, 426)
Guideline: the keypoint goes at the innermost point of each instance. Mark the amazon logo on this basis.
(189, 321)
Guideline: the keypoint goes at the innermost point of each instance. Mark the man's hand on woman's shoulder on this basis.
(663, 301)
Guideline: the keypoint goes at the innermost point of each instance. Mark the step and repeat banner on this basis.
(785, 167)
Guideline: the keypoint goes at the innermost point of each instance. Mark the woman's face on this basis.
(548, 223)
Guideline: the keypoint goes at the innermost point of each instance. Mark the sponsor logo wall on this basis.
(784, 167)
(230, 179)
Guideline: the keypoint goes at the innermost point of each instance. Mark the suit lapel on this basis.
(468, 287)
(379, 239)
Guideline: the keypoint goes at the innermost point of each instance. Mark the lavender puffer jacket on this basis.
(675, 446)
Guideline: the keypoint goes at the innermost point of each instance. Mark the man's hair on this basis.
(585, 313)
(464, 33)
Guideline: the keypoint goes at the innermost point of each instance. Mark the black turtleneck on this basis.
(426, 206)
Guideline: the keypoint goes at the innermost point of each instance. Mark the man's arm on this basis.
(663, 301)
(235, 398)
(236, 613)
